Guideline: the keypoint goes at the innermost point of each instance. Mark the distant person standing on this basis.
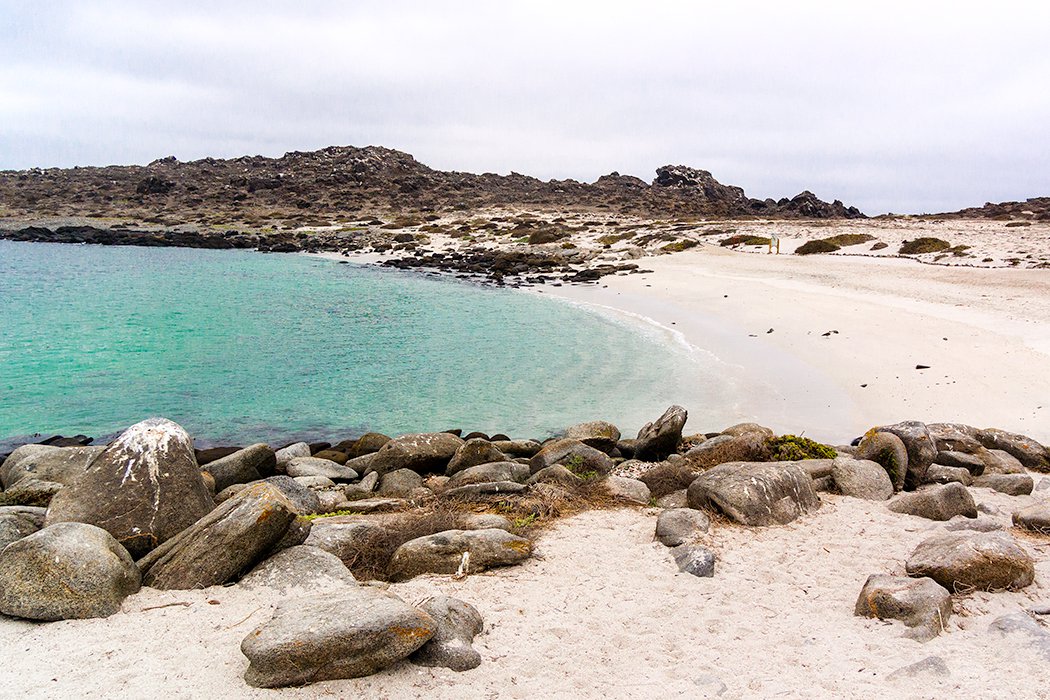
(774, 240)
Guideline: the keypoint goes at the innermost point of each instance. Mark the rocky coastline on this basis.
(83, 527)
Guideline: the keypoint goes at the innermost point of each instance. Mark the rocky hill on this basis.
(342, 180)
(1035, 209)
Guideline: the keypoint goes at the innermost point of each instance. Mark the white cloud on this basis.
(889, 105)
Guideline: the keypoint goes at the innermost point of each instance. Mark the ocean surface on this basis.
(241, 347)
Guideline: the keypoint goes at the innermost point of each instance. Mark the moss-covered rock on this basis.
(792, 448)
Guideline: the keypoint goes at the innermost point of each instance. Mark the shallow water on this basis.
(240, 346)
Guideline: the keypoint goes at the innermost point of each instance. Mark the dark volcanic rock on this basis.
(143, 489)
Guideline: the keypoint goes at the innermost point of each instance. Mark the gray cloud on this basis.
(884, 105)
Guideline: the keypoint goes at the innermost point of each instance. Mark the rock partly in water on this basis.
(457, 623)
(964, 561)
(452, 551)
(66, 571)
(223, 544)
(660, 438)
(937, 502)
(143, 489)
(755, 493)
(353, 633)
(921, 604)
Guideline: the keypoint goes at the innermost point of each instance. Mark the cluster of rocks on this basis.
(84, 526)
(514, 267)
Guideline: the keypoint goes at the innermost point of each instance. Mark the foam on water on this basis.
(239, 346)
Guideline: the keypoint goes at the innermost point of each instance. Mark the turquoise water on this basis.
(241, 346)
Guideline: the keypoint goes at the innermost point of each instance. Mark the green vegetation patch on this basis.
(743, 239)
(924, 245)
(611, 238)
(792, 448)
(679, 246)
(818, 246)
(847, 239)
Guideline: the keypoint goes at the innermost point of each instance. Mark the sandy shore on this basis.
(848, 332)
(600, 611)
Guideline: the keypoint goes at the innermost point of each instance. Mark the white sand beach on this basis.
(600, 611)
(836, 339)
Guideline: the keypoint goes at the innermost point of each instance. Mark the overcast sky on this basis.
(891, 106)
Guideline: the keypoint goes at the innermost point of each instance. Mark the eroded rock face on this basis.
(939, 502)
(920, 603)
(443, 553)
(143, 489)
(66, 571)
(354, 633)
(755, 493)
(962, 561)
(457, 623)
(224, 544)
(660, 438)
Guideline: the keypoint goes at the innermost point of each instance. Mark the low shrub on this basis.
(924, 245)
(817, 246)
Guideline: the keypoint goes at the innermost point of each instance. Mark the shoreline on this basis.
(726, 302)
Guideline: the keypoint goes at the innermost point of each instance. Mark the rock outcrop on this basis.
(143, 489)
